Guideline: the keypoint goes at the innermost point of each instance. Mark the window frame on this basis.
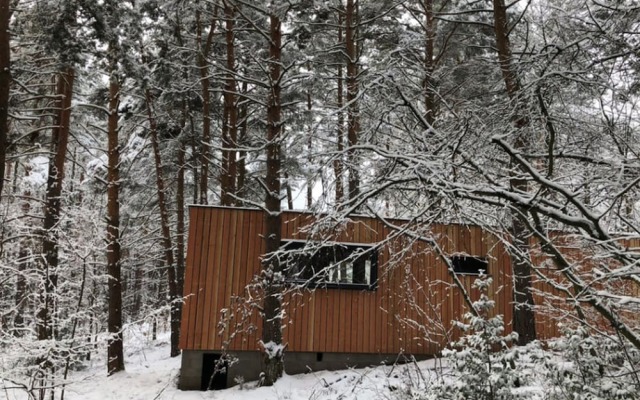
(454, 264)
(316, 281)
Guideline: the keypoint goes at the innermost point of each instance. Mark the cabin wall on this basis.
(251, 365)
(411, 310)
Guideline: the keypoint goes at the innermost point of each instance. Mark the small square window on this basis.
(469, 265)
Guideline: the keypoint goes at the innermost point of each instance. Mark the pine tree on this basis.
(272, 270)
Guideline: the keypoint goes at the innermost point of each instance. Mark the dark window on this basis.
(314, 264)
(469, 265)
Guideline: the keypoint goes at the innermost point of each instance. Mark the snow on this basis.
(151, 374)
(273, 349)
(38, 171)
(565, 368)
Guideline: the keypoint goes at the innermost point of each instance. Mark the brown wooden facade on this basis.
(411, 310)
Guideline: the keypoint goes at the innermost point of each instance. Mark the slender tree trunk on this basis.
(224, 157)
(180, 225)
(353, 117)
(166, 231)
(8, 172)
(14, 182)
(181, 164)
(429, 62)
(137, 293)
(338, 166)
(74, 326)
(205, 153)
(309, 150)
(21, 291)
(115, 355)
(523, 313)
(272, 320)
(60, 140)
(289, 190)
(242, 155)
(194, 160)
(24, 261)
(230, 140)
(5, 83)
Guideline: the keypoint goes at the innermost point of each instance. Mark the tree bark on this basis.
(242, 155)
(288, 190)
(5, 83)
(229, 143)
(194, 161)
(272, 320)
(24, 262)
(224, 176)
(353, 113)
(203, 52)
(166, 231)
(180, 225)
(523, 313)
(21, 291)
(115, 355)
(338, 166)
(309, 152)
(74, 326)
(59, 144)
(429, 62)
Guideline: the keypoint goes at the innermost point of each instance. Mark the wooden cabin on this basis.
(392, 297)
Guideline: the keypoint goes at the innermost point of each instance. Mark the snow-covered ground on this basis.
(151, 374)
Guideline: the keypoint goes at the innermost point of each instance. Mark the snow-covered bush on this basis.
(592, 367)
(482, 365)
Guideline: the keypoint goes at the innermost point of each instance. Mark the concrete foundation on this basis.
(249, 365)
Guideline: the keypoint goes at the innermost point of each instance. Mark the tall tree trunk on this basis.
(59, 144)
(309, 151)
(288, 190)
(185, 114)
(242, 137)
(74, 326)
(166, 231)
(272, 320)
(224, 176)
(14, 182)
(5, 82)
(115, 356)
(523, 314)
(138, 277)
(180, 225)
(24, 260)
(205, 153)
(353, 117)
(230, 140)
(194, 160)
(429, 62)
(338, 166)
(21, 290)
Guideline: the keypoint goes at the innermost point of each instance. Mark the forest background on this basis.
(520, 117)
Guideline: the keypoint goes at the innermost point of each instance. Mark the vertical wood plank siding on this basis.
(411, 310)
